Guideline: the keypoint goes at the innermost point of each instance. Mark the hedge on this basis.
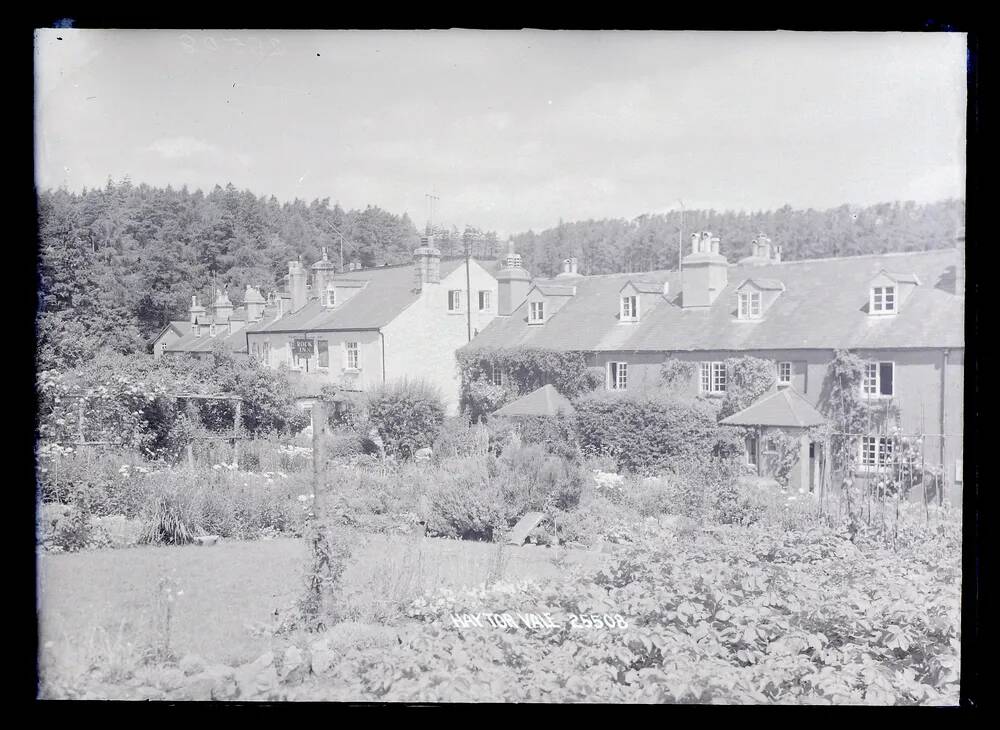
(652, 431)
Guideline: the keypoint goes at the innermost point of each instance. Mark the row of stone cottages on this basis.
(902, 312)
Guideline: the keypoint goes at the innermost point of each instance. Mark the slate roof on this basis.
(236, 342)
(645, 287)
(784, 409)
(823, 306)
(545, 401)
(190, 342)
(769, 284)
(555, 290)
(387, 292)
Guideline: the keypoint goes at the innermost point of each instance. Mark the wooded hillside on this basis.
(119, 262)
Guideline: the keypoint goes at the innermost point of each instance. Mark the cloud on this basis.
(177, 148)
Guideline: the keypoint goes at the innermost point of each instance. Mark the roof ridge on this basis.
(854, 258)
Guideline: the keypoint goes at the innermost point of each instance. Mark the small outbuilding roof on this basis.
(783, 409)
(545, 401)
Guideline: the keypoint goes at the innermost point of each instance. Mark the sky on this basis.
(510, 130)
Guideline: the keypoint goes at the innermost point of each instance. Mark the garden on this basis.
(663, 570)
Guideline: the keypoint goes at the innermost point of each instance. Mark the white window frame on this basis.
(871, 386)
(496, 374)
(485, 300)
(265, 350)
(748, 305)
(629, 308)
(211, 330)
(330, 297)
(874, 452)
(536, 311)
(455, 300)
(884, 300)
(711, 372)
(618, 381)
(785, 365)
(352, 348)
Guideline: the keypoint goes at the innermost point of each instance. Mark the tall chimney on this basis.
(960, 265)
(254, 303)
(297, 285)
(222, 308)
(197, 311)
(426, 264)
(322, 273)
(513, 282)
(704, 273)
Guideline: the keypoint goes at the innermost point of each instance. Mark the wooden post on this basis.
(237, 430)
(319, 465)
(79, 419)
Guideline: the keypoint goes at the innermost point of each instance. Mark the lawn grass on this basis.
(111, 597)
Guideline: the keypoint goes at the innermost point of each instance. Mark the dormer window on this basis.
(883, 300)
(630, 309)
(536, 312)
(748, 305)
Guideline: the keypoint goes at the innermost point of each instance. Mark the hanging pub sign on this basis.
(302, 349)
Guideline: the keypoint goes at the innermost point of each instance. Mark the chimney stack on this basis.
(704, 273)
(426, 264)
(322, 273)
(254, 303)
(223, 308)
(297, 285)
(513, 282)
(197, 311)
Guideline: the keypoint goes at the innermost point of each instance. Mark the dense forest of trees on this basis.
(650, 241)
(117, 263)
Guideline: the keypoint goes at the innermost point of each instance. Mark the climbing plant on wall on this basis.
(747, 379)
(523, 370)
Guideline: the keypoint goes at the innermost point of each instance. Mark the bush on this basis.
(65, 527)
(406, 415)
(343, 443)
(649, 432)
(532, 479)
(556, 433)
(466, 502)
(460, 438)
